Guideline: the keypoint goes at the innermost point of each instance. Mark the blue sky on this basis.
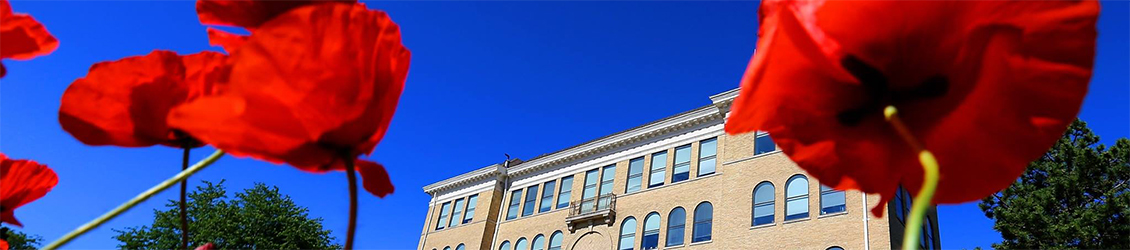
(487, 78)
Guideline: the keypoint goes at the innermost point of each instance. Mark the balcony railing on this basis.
(600, 209)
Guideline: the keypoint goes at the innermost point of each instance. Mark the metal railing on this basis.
(591, 205)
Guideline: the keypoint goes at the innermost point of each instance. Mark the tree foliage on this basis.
(1075, 196)
(258, 218)
(19, 240)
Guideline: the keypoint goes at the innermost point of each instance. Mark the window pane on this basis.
(555, 241)
(831, 201)
(763, 144)
(531, 200)
(471, 203)
(764, 193)
(521, 245)
(460, 247)
(566, 192)
(539, 243)
(676, 222)
(505, 245)
(706, 166)
(658, 169)
(515, 201)
(708, 147)
(703, 216)
(635, 175)
(797, 208)
(457, 215)
(547, 197)
(443, 210)
(683, 154)
(763, 214)
(628, 234)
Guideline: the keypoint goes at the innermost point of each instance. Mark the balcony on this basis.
(592, 211)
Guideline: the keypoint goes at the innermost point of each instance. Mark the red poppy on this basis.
(3, 244)
(249, 14)
(313, 87)
(987, 86)
(126, 102)
(21, 182)
(22, 37)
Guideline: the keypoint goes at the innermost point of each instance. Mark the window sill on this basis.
(796, 220)
(701, 242)
(831, 215)
(763, 226)
(752, 157)
(675, 246)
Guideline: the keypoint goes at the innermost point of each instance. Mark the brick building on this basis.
(677, 183)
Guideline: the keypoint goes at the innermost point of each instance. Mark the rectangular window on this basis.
(658, 169)
(515, 201)
(635, 175)
(682, 170)
(566, 191)
(470, 213)
(457, 213)
(547, 197)
(607, 175)
(588, 195)
(831, 200)
(763, 144)
(443, 210)
(707, 154)
(531, 200)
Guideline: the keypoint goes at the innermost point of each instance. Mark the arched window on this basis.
(521, 244)
(763, 204)
(676, 226)
(796, 198)
(928, 233)
(831, 200)
(539, 243)
(650, 232)
(447, 248)
(505, 245)
(555, 241)
(460, 247)
(835, 248)
(703, 218)
(628, 234)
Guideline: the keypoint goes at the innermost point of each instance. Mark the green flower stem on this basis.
(136, 200)
(925, 195)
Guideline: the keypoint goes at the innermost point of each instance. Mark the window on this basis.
(703, 218)
(505, 245)
(521, 244)
(628, 234)
(835, 248)
(531, 200)
(515, 201)
(547, 197)
(898, 203)
(555, 241)
(588, 195)
(682, 169)
(763, 144)
(460, 247)
(539, 243)
(928, 232)
(566, 191)
(831, 200)
(443, 210)
(763, 204)
(658, 169)
(447, 248)
(470, 213)
(635, 175)
(457, 213)
(607, 175)
(707, 156)
(676, 223)
(650, 232)
(796, 198)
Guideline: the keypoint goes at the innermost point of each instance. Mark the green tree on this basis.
(258, 218)
(1075, 196)
(19, 240)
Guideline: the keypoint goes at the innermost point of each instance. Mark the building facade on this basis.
(677, 183)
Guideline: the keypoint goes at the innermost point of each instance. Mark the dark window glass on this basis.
(676, 223)
(443, 213)
(763, 204)
(763, 144)
(531, 200)
(547, 197)
(831, 200)
(470, 214)
(565, 193)
(650, 232)
(515, 202)
(703, 218)
(707, 154)
(682, 169)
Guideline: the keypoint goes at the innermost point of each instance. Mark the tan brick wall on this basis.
(729, 190)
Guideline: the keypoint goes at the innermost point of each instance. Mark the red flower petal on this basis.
(230, 42)
(208, 246)
(374, 178)
(21, 182)
(126, 102)
(248, 14)
(307, 100)
(22, 37)
(3, 244)
(987, 86)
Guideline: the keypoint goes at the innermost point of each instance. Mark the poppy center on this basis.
(879, 93)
